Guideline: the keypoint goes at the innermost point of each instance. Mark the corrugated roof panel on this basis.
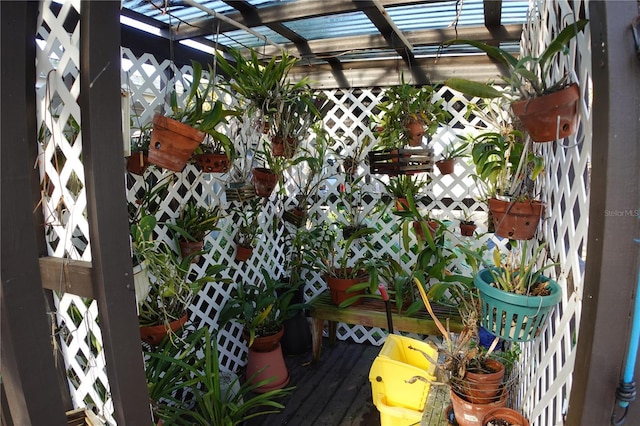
(333, 26)
(175, 10)
(242, 39)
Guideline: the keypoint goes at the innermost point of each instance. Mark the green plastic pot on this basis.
(514, 317)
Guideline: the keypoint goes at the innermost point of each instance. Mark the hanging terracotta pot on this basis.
(277, 146)
(243, 253)
(154, 334)
(516, 220)
(498, 417)
(402, 204)
(172, 143)
(446, 167)
(265, 181)
(212, 163)
(188, 248)
(137, 163)
(467, 229)
(339, 287)
(416, 132)
(432, 226)
(544, 116)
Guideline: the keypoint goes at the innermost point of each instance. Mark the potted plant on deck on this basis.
(175, 137)
(548, 110)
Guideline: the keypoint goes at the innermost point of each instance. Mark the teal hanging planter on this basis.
(514, 317)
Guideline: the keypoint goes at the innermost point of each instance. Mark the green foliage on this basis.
(455, 149)
(195, 221)
(201, 110)
(403, 104)
(262, 307)
(402, 185)
(528, 75)
(193, 369)
(246, 216)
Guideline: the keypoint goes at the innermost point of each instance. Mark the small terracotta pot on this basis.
(416, 132)
(243, 253)
(277, 146)
(446, 167)
(154, 334)
(483, 388)
(187, 248)
(265, 181)
(507, 414)
(543, 115)
(265, 343)
(339, 287)
(212, 163)
(137, 163)
(467, 229)
(469, 414)
(516, 220)
(267, 366)
(432, 226)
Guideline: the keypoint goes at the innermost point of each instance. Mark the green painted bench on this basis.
(372, 313)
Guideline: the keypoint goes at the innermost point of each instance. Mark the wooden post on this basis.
(26, 358)
(107, 209)
(612, 254)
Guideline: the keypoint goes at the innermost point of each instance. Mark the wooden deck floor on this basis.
(335, 391)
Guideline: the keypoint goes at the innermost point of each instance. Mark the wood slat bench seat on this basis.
(372, 313)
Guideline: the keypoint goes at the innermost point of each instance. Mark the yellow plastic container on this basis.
(395, 365)
(396, 416)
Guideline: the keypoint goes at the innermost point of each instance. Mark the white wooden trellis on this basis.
(547, 363)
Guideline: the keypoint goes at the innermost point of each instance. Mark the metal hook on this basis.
(621, 420)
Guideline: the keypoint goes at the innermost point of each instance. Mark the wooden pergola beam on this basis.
(112, 272)
(26, 358)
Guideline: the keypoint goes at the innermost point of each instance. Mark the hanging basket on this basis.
(401, 161)
(264, 181)
(240, 191)
(514, 317)
(137, 163)
(172, 143)
(548, 115)
(516, 220)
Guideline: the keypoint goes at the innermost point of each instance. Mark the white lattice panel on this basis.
(542, 393)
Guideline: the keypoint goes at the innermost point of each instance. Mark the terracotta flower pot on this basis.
(470, 414)
(512, 417)
(265, 181)
(483, 387)
(402, 204)
(265, 343)
(212, 163)
(416, 132)
(339, 287)
(467, 229)
(277, 146)
(137, 163)
(270, 366)
(154, 334)
(432, 227)
(516, 220)
(243, 253)
(446, 167)
(187, 248)
(172, 143)
(543, 115)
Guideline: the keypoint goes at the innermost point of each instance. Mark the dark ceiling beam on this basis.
(383, 73)
(509, 33)
(300, 9)
(492, 12)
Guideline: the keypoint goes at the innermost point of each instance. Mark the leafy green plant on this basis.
(201, 110)
(261, 307)
(402, 185)
(455, 150)
(185, 386)
(528, 75)
(403, 104)
(246, 215)
(195, 221)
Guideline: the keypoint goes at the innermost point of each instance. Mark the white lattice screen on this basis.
(547, 363)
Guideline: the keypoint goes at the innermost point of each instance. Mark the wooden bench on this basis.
(372, 313)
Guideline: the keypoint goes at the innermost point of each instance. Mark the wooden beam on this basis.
(612, 255)
(67, 276)
(492, 13)
(107, 209)
(26, 359)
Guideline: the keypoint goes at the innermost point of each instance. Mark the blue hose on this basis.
(626, 391)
